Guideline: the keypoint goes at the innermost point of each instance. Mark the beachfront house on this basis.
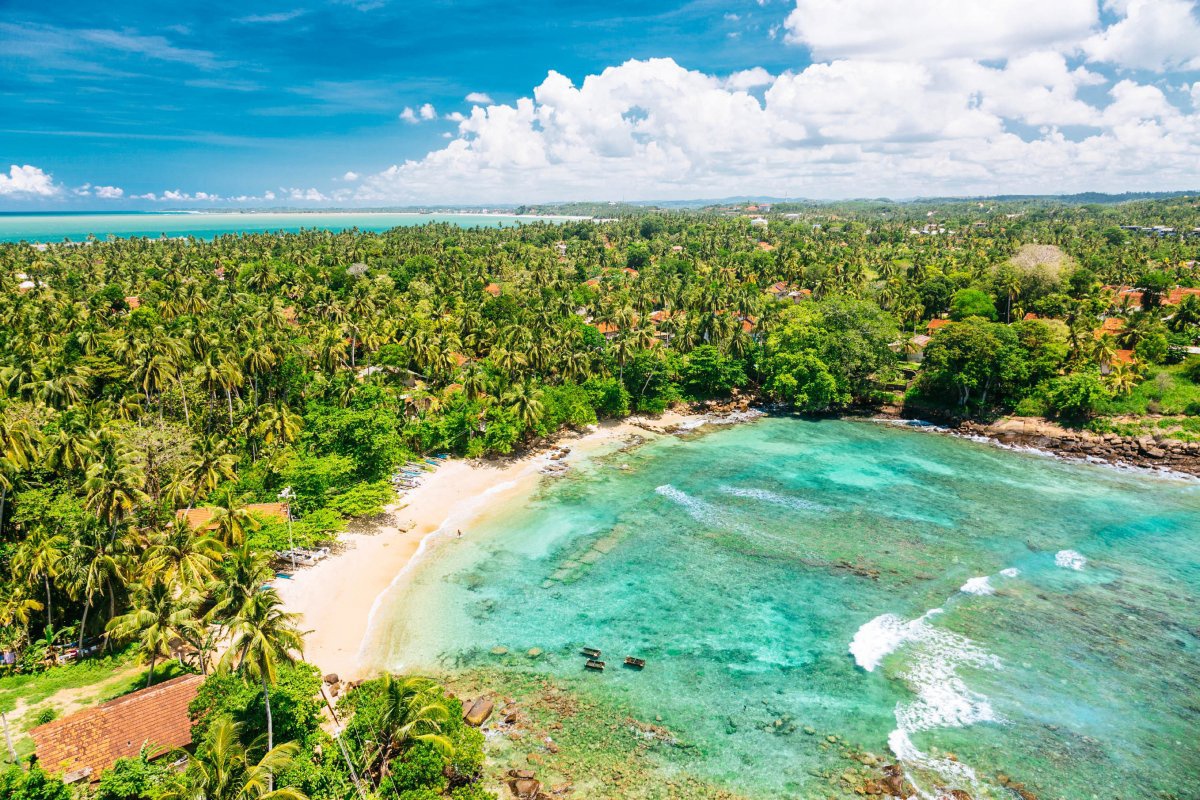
(203, 518)
(81, 746)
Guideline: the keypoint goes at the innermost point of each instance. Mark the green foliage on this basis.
(707, 372)
(472, 791)
(567, 404)
(608, 396)
(363, 499)
(418, 769)
(1077, 396)
(1152, 348)
(972, 303)
(825, 355)
(132, 779)
(317, 479)
(16, 784)
(295, 704)
(974, 361)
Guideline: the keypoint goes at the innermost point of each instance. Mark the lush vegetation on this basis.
(141, 378)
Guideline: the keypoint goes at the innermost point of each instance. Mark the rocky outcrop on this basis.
(1143, 451)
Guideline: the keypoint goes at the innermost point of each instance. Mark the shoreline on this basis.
(339, 598)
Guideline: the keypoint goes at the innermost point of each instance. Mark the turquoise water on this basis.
(77, 227)
(790, 569)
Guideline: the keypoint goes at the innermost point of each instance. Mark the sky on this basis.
(140, 104)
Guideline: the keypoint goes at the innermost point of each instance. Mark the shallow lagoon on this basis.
(789, 571)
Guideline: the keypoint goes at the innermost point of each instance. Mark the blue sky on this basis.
(364, 102)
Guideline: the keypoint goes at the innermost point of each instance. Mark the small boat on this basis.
(635, 663)
(590, 652)
(592, 663)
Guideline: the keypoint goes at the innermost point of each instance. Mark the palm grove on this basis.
(145, 377)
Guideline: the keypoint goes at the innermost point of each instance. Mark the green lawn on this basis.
(1171, 394)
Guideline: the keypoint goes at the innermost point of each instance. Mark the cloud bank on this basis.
(924, 97)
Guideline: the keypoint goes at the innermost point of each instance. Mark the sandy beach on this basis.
(337, 597)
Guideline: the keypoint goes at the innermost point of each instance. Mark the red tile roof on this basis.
(766, 247)
(1123, 357)
(1030, 316)
(201, 518)
(1111, 326)
(493, 289)
(1176, 295)
(89, 741)
(934, 324)
(133, 302)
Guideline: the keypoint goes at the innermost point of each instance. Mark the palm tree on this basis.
(232, 521)
(182, 556)
(16, 606)
(211, 463)
(415, 711)
(222, 768)
(263, 637)
(1123, 378)
(38, 557)
(243, 573)
(526, 398)
(158, 617)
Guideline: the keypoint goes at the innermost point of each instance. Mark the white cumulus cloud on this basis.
(850, 127)
(110, 192)
(480, 98)
(891, 29)
(1153, 34)
(27, 181)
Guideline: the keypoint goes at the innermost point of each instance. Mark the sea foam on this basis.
(882, 636)
(1070, 559)
(767, 496)
(1011, 572)
(980, 585)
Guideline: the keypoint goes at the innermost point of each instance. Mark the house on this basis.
(785, 291)
(916, 349)
(493, 289)
(1176, 295)
(934, 324)
(204, 517)
(80, 747)
(758, 222)
(630, 271)
(357, 269)
(134, 302)
(608, 330)
(766, 247)
(1111, 326)
(1124, 296)
(1029, 316)
(561, 247)
(1119, 357)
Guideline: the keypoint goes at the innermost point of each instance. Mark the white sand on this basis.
(337, 596)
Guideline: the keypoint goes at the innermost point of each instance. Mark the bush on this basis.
(131, 779)
(16, 784)
(472, 791)
(294, 707)
(972, 303)
(363, 499)
(419, 768)
(609, 396)
(1076, 396)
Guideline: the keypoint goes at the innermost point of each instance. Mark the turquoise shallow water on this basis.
(790, 569)
(77, 227)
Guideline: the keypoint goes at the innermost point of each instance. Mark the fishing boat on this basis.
(590, 652)
(593, 664)
(634, 663)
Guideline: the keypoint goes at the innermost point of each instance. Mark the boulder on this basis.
(331, 678)
(479, 711)
(525, 788)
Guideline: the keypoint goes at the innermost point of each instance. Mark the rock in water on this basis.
(480, 710)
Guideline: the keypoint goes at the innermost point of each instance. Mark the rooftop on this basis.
(88, 742)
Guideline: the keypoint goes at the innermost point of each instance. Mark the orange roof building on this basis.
(934, 324)
(1176, 295)
(1111, 326)
(493, 289)
(134, 302)
(204, 517)
(88, 742)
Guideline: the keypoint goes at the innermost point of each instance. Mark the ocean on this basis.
(206, 225)
(983, 617)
